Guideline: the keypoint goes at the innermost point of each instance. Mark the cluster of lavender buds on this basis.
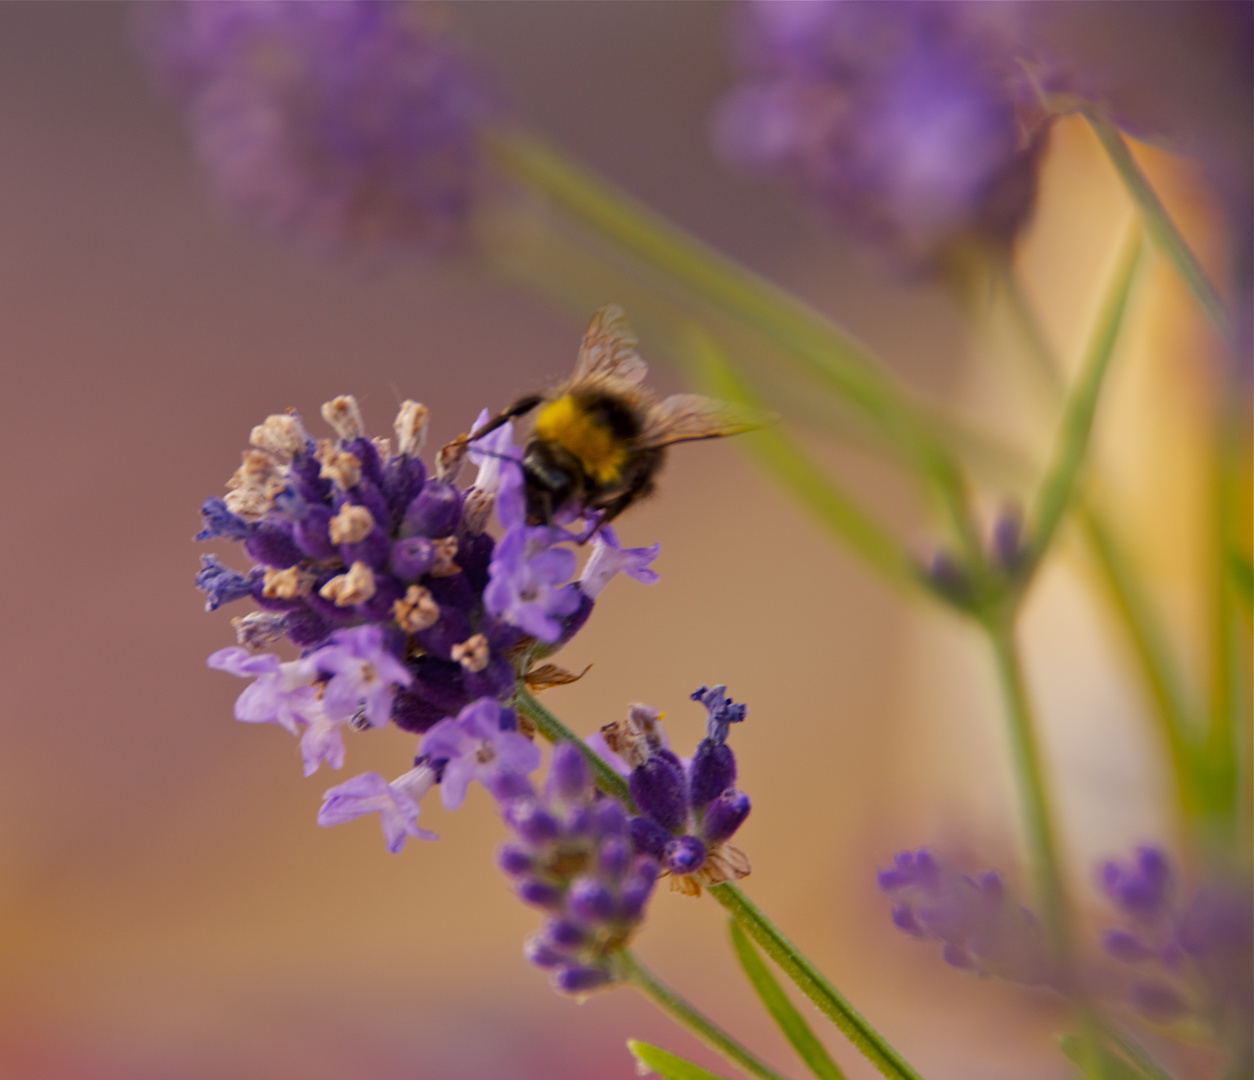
(405, 608)
(349, 124)
(896, 118)
(689, 809)
(1191, 959)
(980, 925)
(573, 857)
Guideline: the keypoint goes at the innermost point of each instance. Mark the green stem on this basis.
(1060, 482)
(1159, 223)
(869, 1042)
(686, 1016)
(806, 337)
(555, 731)
(1038, 822)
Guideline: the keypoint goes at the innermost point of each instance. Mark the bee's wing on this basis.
(609, 350)
(687, 417)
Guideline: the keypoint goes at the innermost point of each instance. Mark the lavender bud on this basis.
(649, 838)
(590, 901)
(540, 893)
(218, 522)
(565, 934)
(614, 857)
(581, 980)
(1157, 1002)
(903, 918)
(685, 855)
(532, 822)
(435, 512)
(607, 818)
(712, 772)
(1126, 946)
(957, 957)
(724, 816)
(273, 546)
(658, 789)
(538, 951)
(514, 861)
(313, 532)
(568, 776)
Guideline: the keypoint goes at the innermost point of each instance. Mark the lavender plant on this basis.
(433, 606)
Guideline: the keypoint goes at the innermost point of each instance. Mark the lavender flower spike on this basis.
(482, 742)
(395, 803)
(572, 857)
(980, 925)
(350, 124)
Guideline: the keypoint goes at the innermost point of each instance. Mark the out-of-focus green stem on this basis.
(685, 1015)
(801, 334)
(1071, 449)
(1159, 223)
(555, 731)
(797, 473)
(1037, 815)
(869, 1042)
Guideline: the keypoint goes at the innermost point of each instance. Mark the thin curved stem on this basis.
(555, 731)
(869, 1042)
(1037, 816)
(1159, 223)
(686, 1016)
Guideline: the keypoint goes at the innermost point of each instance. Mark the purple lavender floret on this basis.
(572, 857)
(1188, 957)
(980, 926)
(387, 578)
(689, 810)
(348, 123)
(897, 119)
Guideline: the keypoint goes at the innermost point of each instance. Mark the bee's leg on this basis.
(520, 408)
(640, 487)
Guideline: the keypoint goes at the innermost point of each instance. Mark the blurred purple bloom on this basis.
(981, 927)
(528, 581)
(572, 856)
(608, 560)
(897, 119)
(352, 123)
(363, 674)
(395, 803)
(1188, 957)
(479, 744)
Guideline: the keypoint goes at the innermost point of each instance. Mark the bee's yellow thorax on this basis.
(563, 422)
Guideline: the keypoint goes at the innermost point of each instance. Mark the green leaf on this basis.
(790, 1022)
(665, 1064)
(1242, 572)
(1097, 1062)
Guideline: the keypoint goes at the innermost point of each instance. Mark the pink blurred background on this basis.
(168, 907)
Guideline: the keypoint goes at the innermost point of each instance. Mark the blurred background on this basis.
(169, 907)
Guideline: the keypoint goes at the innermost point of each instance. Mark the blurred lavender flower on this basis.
(572, 857)
(896, 118)
(389, 581)
(349, 122)
(1191, 958)
(981, 926)
(689, 810)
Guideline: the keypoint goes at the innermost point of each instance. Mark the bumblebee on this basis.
(600, 438)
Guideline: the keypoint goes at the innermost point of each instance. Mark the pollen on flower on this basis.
(289, 584)
(339, 466)
(411, 428)
(251, 490)
(448, 462)
(351, 525)
(281, 435)
(636, 736)
(258, 629)
(417, 611)
(347, 590)
(473, 653)
(344, 416)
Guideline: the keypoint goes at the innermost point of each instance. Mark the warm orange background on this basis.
(168, 907)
